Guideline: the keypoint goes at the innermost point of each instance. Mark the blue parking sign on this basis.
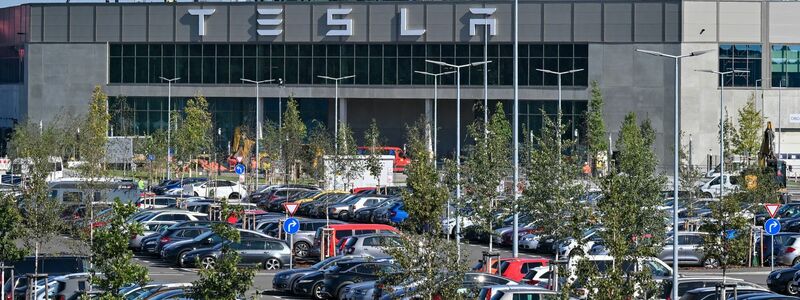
(291, 226)
(239, 169)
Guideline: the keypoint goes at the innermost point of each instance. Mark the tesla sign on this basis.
(339, 24)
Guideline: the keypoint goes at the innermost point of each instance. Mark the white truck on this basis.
(362, 178)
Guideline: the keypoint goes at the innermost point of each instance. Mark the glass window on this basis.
(740, 57)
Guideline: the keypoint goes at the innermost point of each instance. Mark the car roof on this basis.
(361, 226)
(503, 287)
(524, 259)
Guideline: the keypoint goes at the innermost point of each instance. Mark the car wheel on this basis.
(272, 264)
(196, 194)
(707, 195)
(181, 257)
(340, 292)
(796, 260)
(791, 289)
(710, 262)
(301, 249)
(234, 196)
(316, 291)
(208, 262)
(343, 215)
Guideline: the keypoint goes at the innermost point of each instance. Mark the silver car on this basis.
(791, 252)
(304, 238)
(371, 244)
(690, 250)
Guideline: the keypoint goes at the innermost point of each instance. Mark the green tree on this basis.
(486, 167)
(156, 145)
(426, 198)
(94, 142)
(346, 165)
(372, 139)
(688, 177)
(113, 266)
(634, 227)
(747, 139)
(596, 135)
(320, 143)
(294, 134)
(35, 146)
(225, 280)
(122, 116)
(553, 188)
(194, 134)
(11, 229)
(730, 134)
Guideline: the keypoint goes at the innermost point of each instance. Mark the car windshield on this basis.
(204, 235)
(503, 267)
(325, 262)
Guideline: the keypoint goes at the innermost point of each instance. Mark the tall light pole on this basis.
(169, 117)
(780, 137)
(336, 115)
(677, 59)
(435, 104)
(258, 123)
(515, 234)
(458, 136)
(762, 96)
(559, 74)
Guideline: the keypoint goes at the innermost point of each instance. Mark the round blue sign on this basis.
(772, 227)
(151, 157)
(239, 169)
(291, 225)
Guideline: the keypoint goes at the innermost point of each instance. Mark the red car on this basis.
(400, 158)
(516, 268)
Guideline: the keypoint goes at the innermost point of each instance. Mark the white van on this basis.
(710, 188)
(77, 191)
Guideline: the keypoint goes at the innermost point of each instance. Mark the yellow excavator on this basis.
(768, 160)
(241, 145)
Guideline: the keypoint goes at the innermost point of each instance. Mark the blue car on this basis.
(176, 184)
(397, 213)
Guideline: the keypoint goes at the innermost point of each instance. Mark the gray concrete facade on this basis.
(68, 54)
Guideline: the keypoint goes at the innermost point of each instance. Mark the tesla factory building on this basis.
(52, 55)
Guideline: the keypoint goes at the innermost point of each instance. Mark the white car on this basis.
(217, 189)
(529, 241)
(711, 188)
(449, 224)
(590, 237)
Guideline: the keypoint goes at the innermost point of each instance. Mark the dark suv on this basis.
(336, 278)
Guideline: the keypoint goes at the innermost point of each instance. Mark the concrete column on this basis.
(429, 111)
(343, 110)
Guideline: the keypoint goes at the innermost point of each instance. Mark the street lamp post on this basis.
(762, 95)
(677, 59)
(515, 235)
(558, 74)
(258, 124)
(169, 117)
(336, 115)
(458, 135)
(435, 104)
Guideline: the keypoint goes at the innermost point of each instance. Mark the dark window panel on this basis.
(506, 50)
(523, 50)
(115, 50)
(291, 70)
(565, 64)
(168, 50)
(195, 70)
(249, 50)
(565, 50)
(494, 51)
(319, 50)
(740, 51)
(291, 50)
(333, 50)
(375, 71)
(551, 50)
(155, 50)
(319, 68)
(755, 72)
(305, 50)
(155, 70)
(725, 51)
(129, 50)
(347, 65)
(236, 50)
(196, 50)
(418, 64)
(448, 50)
(581, 50)
(582, 77)
(418, 50)
(348, 50)
(209, 70)
(223, 50)
(476, 74)
(390, 50)
(304, 71)
(506, 71)
(494, 72)
(362, 50)
(223, 70)
(236, 70)
(263, 51)
(141, 50)
(277, 50)
(209, 50)
(462, 50)
(404, 71)
(333, 67)
(389, 70)
(536, 50)
(181, 50)
(141, 70)
(168, 68)
(476, 51)
(277, 66)
(523, 71)
(362, 70)
(433, 51)
(550, 64)
(115, 70)
(249, 71)
(754, 51)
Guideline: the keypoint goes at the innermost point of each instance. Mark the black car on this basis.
(781, 280)
(708, 292)
(338, 277)
(312, 284)
(367, 214)
(284, 280)
(173, 252)
(150, 243)
(153, 244)
(305, 207)
(266, 253)
(318, 208)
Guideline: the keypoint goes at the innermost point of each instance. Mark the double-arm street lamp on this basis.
(435, 104)
(336, 114)
(458, 133)
(677, 59)
(169, 117)
(559, 74)
(258, 123)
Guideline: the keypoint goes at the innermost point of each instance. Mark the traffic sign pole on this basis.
(771, 228)
(291, 250)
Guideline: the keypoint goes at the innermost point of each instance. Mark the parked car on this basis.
(174, 252)
(154, 246)
(276, 204)
(266, 253)
(284, 280)
(51, 265)
(784, 281)
(174, 215)
(304, 238)
(507, 292)
(790, 255)
(367, 214)
(336, 278)
(690, 283)
(312, 284)
(778, 242)
(709, 292)
(343, 210)
(711, 188)
(155, 202)
(690, 250)
(515, 268)
(339, 231)
(373, 245)
(175, 184)
(70, 287)
(216, 188)
(278, 195)
(149, 227)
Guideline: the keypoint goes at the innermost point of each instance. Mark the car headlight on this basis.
(305, 281)
(777, 276)
(360, 292)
